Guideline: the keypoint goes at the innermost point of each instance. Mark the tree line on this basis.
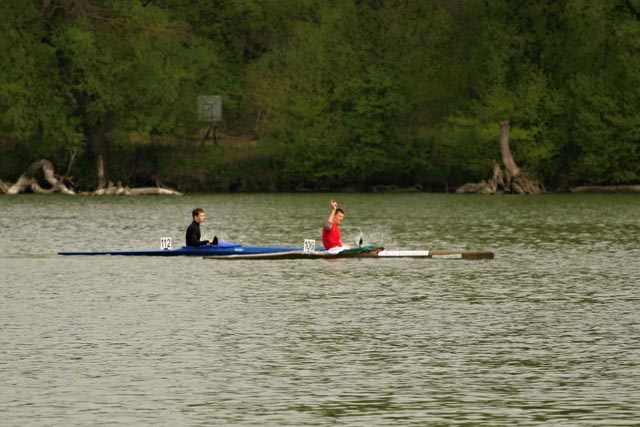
(320, 94)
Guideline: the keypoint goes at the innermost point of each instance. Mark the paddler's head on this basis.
(339, 216)
(198, 215)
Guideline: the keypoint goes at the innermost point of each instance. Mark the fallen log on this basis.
(485, 187)
(4, 186)
(29, 180)
(120, 190)
(606, 189)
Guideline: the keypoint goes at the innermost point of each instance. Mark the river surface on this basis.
(546, 334)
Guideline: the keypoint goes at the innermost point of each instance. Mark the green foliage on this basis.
(35, 112)
(341, 94)
(595, 127)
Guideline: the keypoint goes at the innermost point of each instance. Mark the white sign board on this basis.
(210, 108)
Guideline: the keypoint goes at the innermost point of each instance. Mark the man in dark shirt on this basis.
(193, 232)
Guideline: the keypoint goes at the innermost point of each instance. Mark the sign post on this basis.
(210, 111)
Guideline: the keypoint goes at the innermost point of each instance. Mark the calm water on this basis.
(548, 333)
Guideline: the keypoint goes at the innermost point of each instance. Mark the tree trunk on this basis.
(512, 180)
(100, 172)
(505, 151)
(98, 142)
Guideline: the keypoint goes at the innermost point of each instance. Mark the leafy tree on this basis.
(597, 125)
(341, 93)
(36, 116)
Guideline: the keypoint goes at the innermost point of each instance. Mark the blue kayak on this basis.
(221, 249)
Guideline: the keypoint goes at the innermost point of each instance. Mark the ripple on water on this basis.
(545, 334)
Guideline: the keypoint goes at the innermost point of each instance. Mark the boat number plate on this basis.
(309, 245)
(165, 243)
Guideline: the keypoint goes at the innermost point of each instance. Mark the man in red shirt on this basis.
(331, 231)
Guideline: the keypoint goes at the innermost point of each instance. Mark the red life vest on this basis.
(331, 238)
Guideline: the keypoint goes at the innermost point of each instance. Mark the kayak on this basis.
(364, 252)
(236, 251)
(221, 249)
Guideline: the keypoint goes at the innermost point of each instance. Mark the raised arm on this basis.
(329, 223)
